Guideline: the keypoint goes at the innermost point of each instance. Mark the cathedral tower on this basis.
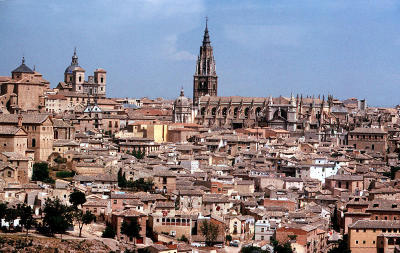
(205, 80)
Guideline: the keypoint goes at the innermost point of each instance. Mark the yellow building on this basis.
(158, 131)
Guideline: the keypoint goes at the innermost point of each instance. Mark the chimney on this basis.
(20, 120)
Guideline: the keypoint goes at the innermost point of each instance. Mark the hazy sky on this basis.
(149, 47)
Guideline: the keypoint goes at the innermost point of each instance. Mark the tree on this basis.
(77, 198)
(131, 228)
(3, 210)
(108, 232)
(141, 185)
(253, 249)
(183, 239)
(228, 238)
(210, 231)
(83, 219)
(25, 214)
(121, 179)
(334, 220)
(57, 217)
(40, 172)
(10, 216)
(279, 248)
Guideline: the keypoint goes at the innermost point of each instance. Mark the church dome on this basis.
(22, 68)
(182, 101)
(74, 64)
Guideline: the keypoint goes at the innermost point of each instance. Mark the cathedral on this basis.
(74, 80)
(210, 110)
(205, 81)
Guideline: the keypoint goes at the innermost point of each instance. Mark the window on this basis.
(356, 242)
(373, 242)
(363, 242)
(262, 237)
(365, 230)
(80, 78)
(33, 143)
(356, 230)
(115, 201)
(101, 79)
(9, 174)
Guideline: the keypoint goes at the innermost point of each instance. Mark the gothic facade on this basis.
(205, 81)
(279, 113)
(237, 112)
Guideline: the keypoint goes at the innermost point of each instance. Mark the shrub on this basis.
(64, 174)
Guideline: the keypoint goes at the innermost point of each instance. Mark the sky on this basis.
(149, 47)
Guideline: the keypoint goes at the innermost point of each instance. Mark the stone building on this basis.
(205, 81)
(374, 236)
(74, 80)
(369, 139)
(39, 128)
(182, 110)
(23, 91)
(13, 139)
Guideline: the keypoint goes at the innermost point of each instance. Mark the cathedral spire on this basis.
(206, 38)
(205, 78)
(182, 92)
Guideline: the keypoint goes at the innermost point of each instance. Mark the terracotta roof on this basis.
(10, 130)
(29, 118)
(376, 224)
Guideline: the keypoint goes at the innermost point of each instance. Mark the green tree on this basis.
(131, 229)
(279, 248)
(210, 231)
(10, 216)
(253, 249)
(335, 220)
(3, 210)
(228, 238)
(40, 172)
(108, 232)
(25, 214)
(140, 185)
(77, 198)
(183, 239)
(57, 217)
(83, 219)
(121, 179)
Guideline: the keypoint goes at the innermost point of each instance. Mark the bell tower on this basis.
(205, 81)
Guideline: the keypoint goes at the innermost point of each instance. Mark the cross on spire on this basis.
(206, 38)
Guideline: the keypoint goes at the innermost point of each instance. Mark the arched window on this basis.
(203, 111)
(246, 112)
(258, 111)
(33, 143)
(80, 78)
(101, 79)
(235, 112)
(214, 111)
(224, 111)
